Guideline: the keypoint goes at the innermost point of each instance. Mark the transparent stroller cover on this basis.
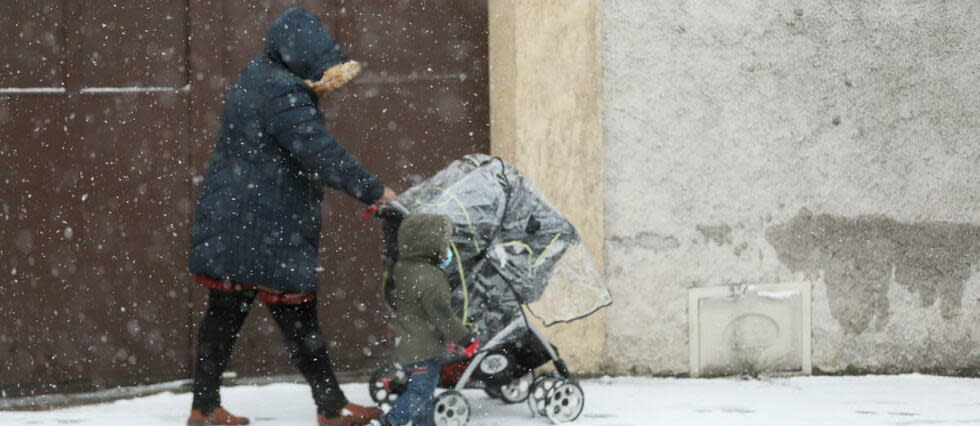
(511, 247)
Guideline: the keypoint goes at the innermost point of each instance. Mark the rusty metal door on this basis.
(107, 118)
(95, 194)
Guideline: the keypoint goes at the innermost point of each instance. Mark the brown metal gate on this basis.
(107, 117)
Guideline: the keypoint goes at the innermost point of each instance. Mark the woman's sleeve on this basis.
(294, 121)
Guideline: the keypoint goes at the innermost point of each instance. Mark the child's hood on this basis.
(424, 237)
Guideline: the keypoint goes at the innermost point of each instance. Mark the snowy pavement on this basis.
(868, 400)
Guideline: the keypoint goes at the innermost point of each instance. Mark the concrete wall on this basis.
(546, 118)
(775, 140)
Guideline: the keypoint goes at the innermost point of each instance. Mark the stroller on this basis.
(511, 246)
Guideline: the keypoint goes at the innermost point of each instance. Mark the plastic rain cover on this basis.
(511, 247)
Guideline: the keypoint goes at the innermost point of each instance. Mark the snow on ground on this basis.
(868, 400)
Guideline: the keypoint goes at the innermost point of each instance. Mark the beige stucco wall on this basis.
(545, 77)
(753, 141)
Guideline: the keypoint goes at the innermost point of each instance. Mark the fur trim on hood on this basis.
(336, 77)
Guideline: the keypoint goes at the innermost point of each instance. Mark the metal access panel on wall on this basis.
(750, 329)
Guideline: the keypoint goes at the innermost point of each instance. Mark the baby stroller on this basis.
(510, 246)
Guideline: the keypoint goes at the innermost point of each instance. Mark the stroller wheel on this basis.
(537, 400)
(565, 402)
(451, 409)
(517, 390)
(386, 384)
(493, 392)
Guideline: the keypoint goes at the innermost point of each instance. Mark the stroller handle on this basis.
(392, 210)
(389, 210)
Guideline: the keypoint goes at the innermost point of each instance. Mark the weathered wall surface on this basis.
(773, 140)
(545, 76)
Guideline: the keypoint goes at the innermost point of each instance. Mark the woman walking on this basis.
(257, 227)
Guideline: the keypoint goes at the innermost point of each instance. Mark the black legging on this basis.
(304, 340)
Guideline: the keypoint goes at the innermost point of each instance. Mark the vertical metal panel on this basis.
(208, 82)
(136, 43)
(103, 301)
(246, 22)
(33, 43)
(132, 276)
(135, 158)
(38, 240)
(396, 131)
(418, 38)
(207, 89)
(421, 103)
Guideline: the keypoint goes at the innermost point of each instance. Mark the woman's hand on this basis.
(389, 195)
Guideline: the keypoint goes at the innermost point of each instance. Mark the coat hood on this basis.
(300, 42)
(424, 237)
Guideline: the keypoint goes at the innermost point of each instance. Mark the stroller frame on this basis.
(559, 398)
(500, 338)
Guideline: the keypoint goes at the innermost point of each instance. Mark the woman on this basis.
(257, 226)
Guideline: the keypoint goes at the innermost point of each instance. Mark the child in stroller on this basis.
(510, 249)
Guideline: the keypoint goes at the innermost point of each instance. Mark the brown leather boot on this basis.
(351, 415)
(218, 416)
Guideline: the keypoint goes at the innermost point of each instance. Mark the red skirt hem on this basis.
(267, 295)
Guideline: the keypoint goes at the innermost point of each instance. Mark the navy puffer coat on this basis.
(258, 216)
